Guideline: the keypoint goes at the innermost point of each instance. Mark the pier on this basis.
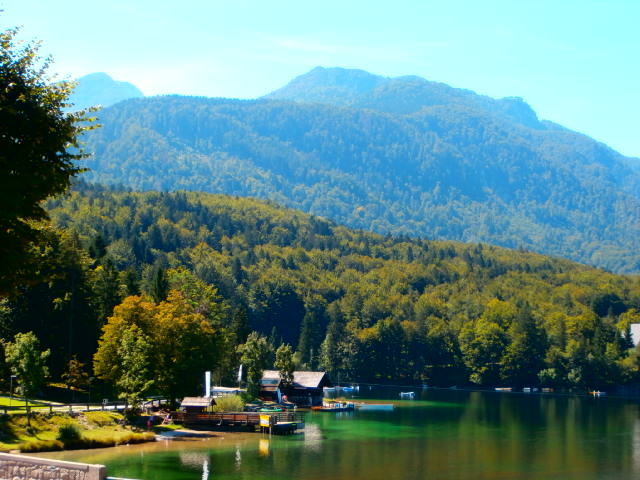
(276, 423)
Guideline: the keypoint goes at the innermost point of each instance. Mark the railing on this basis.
(295, 417)
(235, 418)
(75, 407)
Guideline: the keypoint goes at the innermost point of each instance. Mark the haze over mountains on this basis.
(399, 155)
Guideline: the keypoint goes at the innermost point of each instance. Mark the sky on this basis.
(576, 62)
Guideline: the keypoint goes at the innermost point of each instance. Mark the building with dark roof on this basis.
(306, 389)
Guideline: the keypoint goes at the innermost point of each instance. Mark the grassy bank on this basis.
(60, 431)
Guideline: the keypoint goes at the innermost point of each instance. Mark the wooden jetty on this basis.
(277, 423)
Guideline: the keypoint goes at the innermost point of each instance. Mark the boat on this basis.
(407, 394)
(597, 393)
(270, 409)
(350, 389)
(375, 406)
(503, 389)
(334, 407)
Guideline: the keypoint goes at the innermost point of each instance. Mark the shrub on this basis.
(117, 439)
(102, 419)
(69, 434)
(40, 446)
(229, 403)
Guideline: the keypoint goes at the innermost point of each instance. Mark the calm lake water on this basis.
(441, 434)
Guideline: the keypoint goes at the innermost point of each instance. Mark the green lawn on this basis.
(17, 404)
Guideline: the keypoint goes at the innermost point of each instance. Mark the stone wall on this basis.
(22, 467)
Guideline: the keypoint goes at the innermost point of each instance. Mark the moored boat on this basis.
(334, 407)
(375, 406)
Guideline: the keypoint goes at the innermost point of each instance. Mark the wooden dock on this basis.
(279, 423)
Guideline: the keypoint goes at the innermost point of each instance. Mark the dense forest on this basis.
(402, 156)
(198, 272)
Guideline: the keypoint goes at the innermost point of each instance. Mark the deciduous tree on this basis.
(255, 354)
(38, 154)
(284, 364)
(28, 363)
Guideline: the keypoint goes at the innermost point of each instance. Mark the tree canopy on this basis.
(38, 154)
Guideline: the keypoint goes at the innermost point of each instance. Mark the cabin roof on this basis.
(300, 379)
(197, 402)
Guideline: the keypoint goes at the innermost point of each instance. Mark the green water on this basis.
(442, 434)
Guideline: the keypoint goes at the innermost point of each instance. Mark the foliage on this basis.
(134, 353)
(75, 376)
(32, 446)
(361, 306)
(83, 430)
(38, 150)
(69, 434)
(229, 403)
(167, 345)
(27, 362)
(255, 355)
(408, 157)
(285, 365)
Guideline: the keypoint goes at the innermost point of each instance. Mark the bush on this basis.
(229, 403)
(69, 434)
(102, 419)
(115, 439)
(40, 446)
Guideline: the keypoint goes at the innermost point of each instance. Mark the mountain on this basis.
(403, 95)
(100, 89)
(392, 155)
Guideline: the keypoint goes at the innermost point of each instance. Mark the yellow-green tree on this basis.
(182, 345)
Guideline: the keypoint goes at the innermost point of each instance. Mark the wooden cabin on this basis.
(196, 404)
(306, 389)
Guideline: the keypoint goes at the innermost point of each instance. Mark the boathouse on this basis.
(306, 389)
(196, 404)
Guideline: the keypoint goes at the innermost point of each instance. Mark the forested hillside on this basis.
(399, 156)
(363, 306)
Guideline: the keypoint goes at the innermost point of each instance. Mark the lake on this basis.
(440, 435)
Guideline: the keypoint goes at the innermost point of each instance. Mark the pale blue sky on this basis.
(576, 62)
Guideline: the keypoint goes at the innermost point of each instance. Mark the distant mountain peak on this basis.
(336, 86)
(404, 95)
(100, 89)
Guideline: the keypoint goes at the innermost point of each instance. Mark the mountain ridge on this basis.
(346, 85)
(456, 170)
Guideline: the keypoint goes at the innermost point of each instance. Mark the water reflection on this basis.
(312, 437)
(193, 460)
(238, 458)
(263, 447)
(440, 435)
